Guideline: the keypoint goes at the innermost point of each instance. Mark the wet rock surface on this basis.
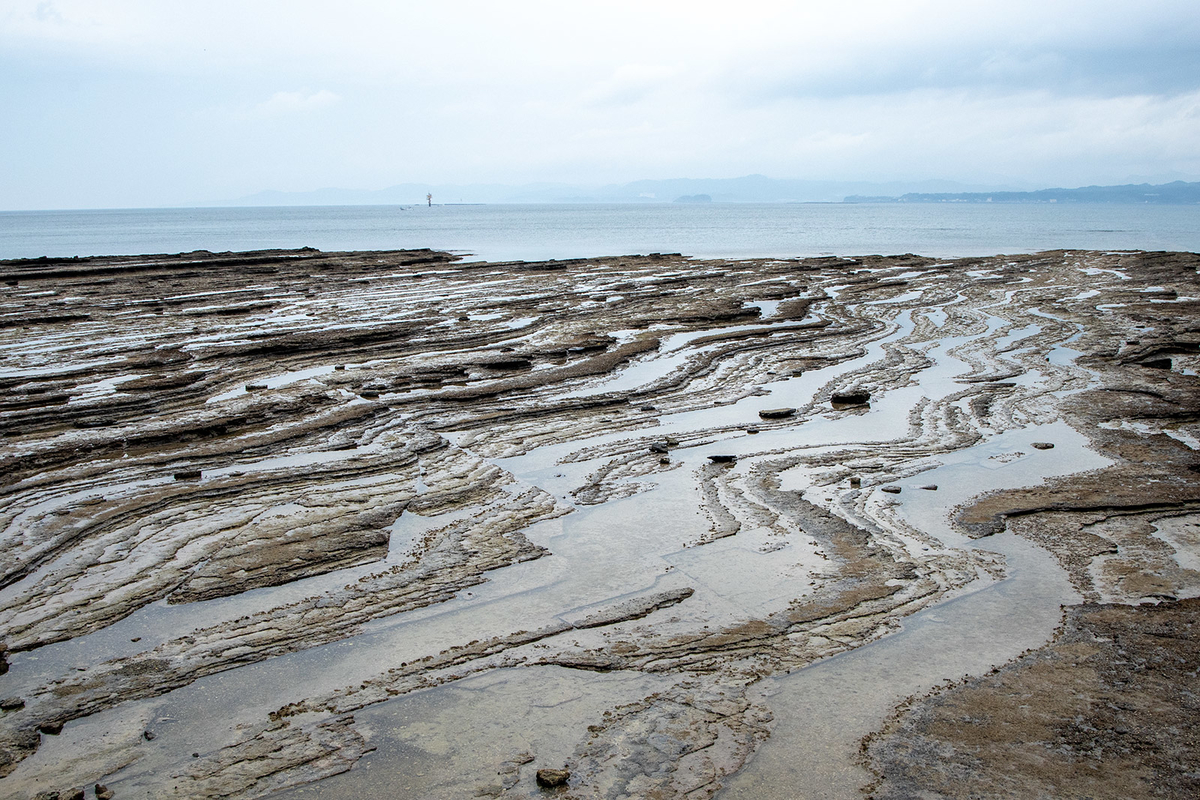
(1108, 710)
(250, 503)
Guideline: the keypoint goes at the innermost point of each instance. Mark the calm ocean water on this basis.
(506, 232)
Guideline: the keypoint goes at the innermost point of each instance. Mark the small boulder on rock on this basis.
(776, 413)
(1042, 445)
(551, 778)
(12, 704)
(103, 792)
(890, 489)
(722, 459)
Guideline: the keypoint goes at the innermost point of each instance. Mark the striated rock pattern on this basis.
(248, 500)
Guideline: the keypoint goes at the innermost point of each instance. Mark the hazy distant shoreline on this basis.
(749, 189)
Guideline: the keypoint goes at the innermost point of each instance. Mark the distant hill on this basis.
(746, 189)
(761, 189)
(1177, 193)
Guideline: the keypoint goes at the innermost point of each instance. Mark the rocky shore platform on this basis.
(302, 524)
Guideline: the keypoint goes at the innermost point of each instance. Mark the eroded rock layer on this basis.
(253, 504)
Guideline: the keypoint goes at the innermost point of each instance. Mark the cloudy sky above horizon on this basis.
(157, 102)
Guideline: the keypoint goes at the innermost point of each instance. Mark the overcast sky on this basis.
(154, 102)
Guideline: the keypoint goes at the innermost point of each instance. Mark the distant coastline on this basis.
(746, 189)
(1177, 193)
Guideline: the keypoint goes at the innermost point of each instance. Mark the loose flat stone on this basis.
(856, 398)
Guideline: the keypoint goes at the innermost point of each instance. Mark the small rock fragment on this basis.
(255, 387)
(664, 460)
(103, 792)
(659, 447)
(551, 778)
(854, 398)
(52, 728)
(149, 736)
(855, 482)
(12, 704)
(890, 489)
(751, 430)
(647, 408)
(724, 459)
(930, 487)
(1042, 445)
(776, 413)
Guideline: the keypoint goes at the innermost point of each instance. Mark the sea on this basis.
(560, 231)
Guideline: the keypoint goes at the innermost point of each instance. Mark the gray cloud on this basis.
(1166, 65)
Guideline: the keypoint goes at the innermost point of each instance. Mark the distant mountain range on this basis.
(748, 189)
(1177, 193)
